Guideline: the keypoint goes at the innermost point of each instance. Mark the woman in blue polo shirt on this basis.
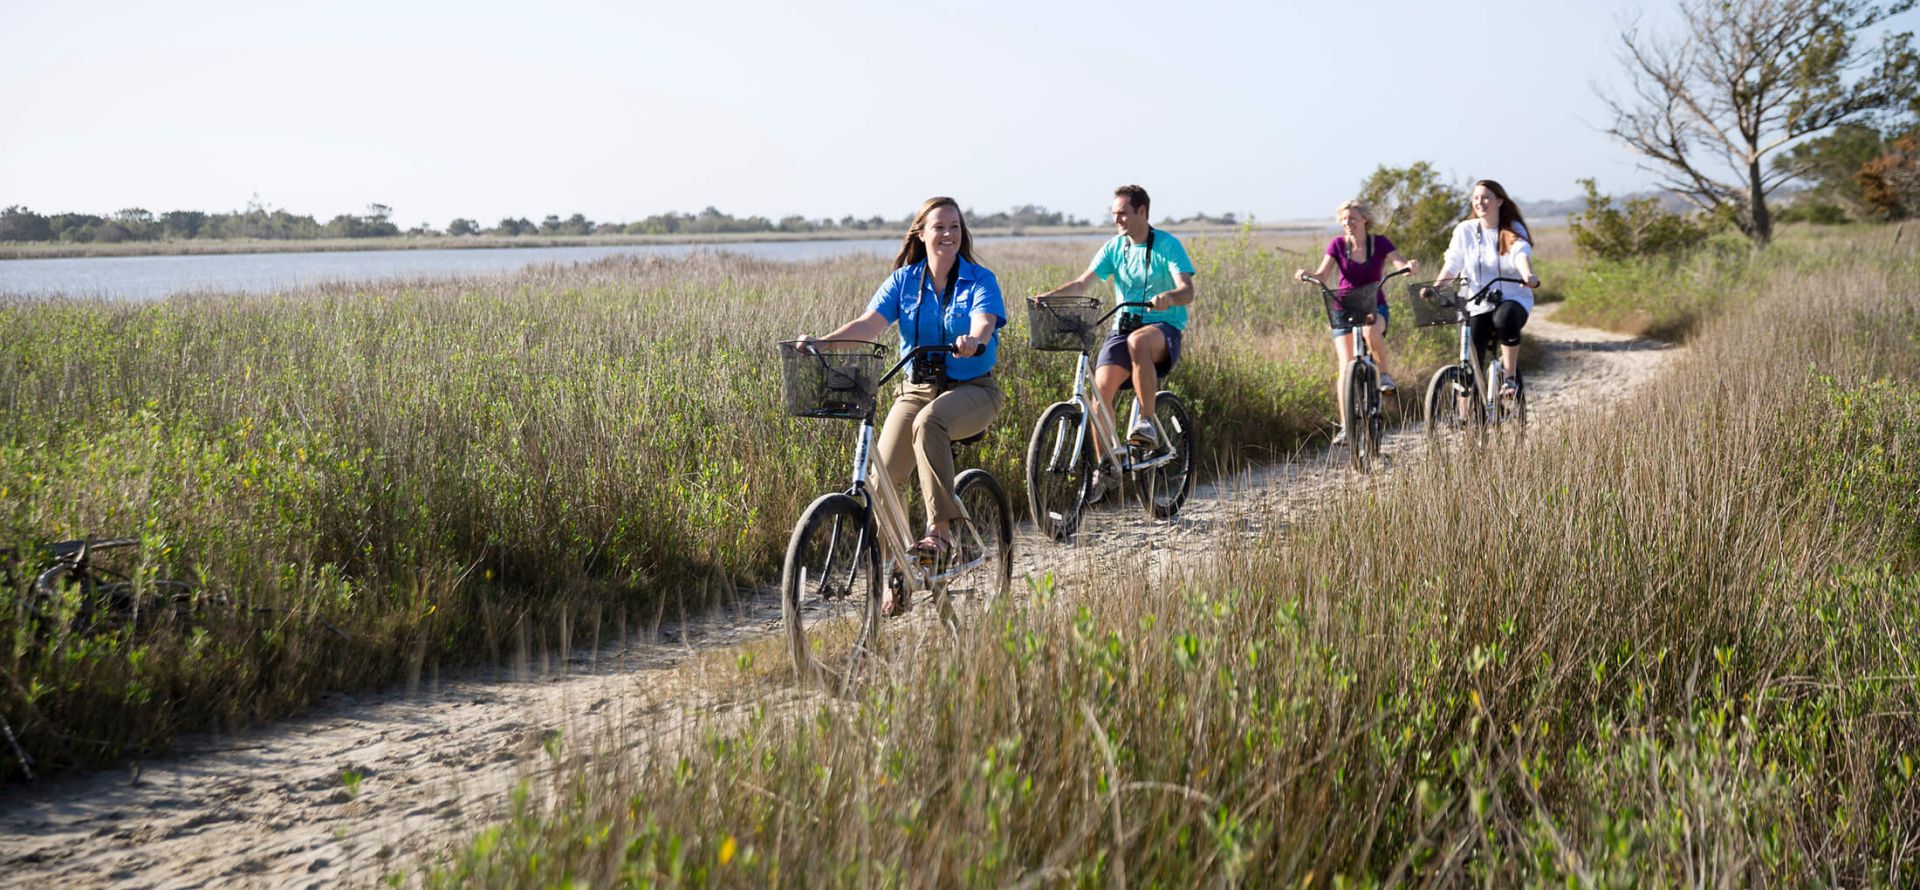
(937, 294)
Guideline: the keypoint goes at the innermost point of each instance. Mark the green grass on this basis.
(440, 471)
(1673, 644)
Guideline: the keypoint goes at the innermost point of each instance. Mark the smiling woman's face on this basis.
(1485, 202)
(941, 234)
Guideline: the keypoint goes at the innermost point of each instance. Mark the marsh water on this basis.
(152, 277)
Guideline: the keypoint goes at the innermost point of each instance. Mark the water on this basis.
(152, 277)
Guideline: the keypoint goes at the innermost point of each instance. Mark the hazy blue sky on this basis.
(621, 110)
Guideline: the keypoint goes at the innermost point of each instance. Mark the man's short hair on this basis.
(1135, 195)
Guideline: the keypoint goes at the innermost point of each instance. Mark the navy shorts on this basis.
(1386, 322)
(1115, 351)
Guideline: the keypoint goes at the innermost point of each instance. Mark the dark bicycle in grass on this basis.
(1074, 438)
(74, 594)
(848, 543)
(1361, 415)
(1463, 397)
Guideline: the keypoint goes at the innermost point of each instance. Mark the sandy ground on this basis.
(276, 807)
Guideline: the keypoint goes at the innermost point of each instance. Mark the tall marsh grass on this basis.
(385, 477)
(1672, 644)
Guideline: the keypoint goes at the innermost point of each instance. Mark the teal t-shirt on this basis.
(1126, 265)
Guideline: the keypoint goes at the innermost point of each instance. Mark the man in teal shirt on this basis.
(1144, 264)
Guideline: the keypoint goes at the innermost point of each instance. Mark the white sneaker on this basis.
(1097, 491)
(1144, 434)
(1340, 437)
(1386, 383)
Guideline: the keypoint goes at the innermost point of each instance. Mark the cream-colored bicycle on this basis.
(1075, 437)
(847, 542)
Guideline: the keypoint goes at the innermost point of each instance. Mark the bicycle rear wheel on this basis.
(830, 589)
(1058, 479)
(990, 518)
(1166, 486)
(1498, 409)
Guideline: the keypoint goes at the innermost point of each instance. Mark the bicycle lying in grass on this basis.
(830, 584)
(1074, 438)
(1474, 394)
(74, 595)
(1360, 410)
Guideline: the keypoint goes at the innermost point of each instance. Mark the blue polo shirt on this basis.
(906, 298)
(1126, 265)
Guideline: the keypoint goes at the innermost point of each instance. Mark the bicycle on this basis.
(1463, 382)
(1361, 417)
(834, 560)
(73, 595)
(1074, 437)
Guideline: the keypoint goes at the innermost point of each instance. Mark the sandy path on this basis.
(271, 808)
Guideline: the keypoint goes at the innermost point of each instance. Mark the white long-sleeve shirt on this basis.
(1474, 252)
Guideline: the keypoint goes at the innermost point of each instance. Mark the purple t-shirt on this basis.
(1360, 274)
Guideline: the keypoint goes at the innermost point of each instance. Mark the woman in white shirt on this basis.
(1495, 243)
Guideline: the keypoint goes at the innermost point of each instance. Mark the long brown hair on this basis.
(1509, 214)
(913, 250)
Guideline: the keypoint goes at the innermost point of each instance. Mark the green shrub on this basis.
(1641, 230)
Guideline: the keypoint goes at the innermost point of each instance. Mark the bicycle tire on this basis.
(822, 585)
(1167, 486)
(1360, 447)
(991, 513)
(1520, 411)
(1058, 483)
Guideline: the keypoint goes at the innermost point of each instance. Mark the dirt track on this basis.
(271, 807)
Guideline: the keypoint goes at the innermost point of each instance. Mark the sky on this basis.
(1275, 109)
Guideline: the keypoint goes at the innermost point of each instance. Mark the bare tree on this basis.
(1747, 77)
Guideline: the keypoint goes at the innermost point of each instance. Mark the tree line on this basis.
(19, 223)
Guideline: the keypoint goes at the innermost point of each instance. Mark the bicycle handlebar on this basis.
(1327, 291)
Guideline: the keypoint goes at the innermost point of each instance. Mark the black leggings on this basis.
(1506, 320)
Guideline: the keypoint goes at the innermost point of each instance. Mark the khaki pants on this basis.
(927, 421)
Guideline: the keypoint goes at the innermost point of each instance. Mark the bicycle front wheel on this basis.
(987, 539)
(1362, 407)
(1058, 477)
(830, 589)
(1452, 404)
(1168, 485)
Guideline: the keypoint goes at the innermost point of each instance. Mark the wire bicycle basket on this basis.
(1437, 303)
(1062, 324)
(831, 378)
(1353, 308)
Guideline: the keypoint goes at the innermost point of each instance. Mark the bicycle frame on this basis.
(887, 511)
(1097, 420)
(1486, 405)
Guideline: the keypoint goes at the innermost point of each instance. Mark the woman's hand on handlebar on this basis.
(966, 345)
(1533, 281)
(1300, 275)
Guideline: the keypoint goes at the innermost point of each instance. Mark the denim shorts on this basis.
(1116, 352)
(1386, 321)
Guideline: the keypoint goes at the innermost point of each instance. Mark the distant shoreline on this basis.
(31, 250)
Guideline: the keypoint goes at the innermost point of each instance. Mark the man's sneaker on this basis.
(1144, 434)
(1386, 383)
(1340, 437)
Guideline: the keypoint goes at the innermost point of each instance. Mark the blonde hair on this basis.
(913, 250)
(1358, 206)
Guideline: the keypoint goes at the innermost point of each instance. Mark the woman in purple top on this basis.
(1362, 259)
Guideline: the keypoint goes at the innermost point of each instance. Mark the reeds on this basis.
(1669, 644)
(382, 476)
